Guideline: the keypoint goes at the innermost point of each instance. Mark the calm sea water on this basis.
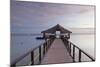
(86, 42)
(22, 44)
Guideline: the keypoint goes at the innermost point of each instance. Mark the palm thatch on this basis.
(56, 28)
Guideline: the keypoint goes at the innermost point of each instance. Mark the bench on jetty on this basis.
(55, 49)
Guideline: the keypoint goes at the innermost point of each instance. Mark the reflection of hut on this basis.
(52, 32)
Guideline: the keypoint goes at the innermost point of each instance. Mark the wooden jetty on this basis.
(54, 50)
(57, 53)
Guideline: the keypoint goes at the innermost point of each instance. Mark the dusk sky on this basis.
(34, 17)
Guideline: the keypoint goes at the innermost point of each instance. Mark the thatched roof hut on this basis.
(56, 28)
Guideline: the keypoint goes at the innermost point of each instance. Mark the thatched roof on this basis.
(56, 28)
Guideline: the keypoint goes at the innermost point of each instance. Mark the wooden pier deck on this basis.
(57, 53)
(54, 50)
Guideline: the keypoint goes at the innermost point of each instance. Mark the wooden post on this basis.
(67, 43)
(43, 48)
(47, 44)
(14, 65)
(43, 35)
(73, 53)
(79, 55)
(55, 34)
(68, 35)
(70, 47)
(64, 42)
(32, 58)
(39, 54)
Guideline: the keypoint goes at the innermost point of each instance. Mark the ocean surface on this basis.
(21, 44)
(86, 42)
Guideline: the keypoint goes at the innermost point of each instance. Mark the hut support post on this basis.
(68, 35)
(43, 35)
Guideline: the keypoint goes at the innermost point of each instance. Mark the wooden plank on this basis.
(57, 53)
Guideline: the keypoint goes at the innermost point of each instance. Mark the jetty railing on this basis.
(42, 50)
(71, 49)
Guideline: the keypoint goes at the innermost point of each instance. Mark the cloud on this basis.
(33, 16)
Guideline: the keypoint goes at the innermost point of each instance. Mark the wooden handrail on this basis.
(83, 52)
(24, 55)
(69, 44)
(45, 48)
